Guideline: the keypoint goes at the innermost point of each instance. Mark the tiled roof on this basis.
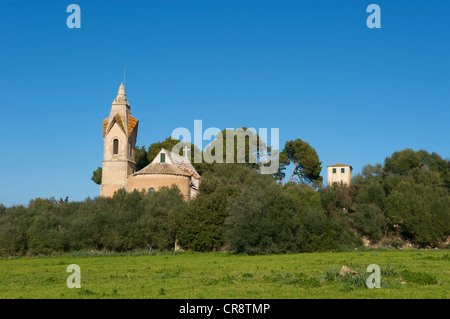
(105, 125)
(161, 168)
(116, 119)
(338, 165)
(182, 163)
(132, 123)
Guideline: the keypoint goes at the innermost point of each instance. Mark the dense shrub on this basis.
(406, 199)
(270, 218)
(422, 212)
(124, 222)
(264, 219)
(370, 221)
(203, 223)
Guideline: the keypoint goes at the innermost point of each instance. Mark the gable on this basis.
(116, 119)
(179, 161)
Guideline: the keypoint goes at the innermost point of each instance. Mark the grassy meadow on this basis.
(405, 274)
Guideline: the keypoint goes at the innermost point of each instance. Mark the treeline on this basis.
(125, 222)
(404, 200)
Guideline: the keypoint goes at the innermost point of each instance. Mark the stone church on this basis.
(119, 166)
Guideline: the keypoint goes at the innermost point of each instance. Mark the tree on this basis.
(202, 227)
(264, 219)
(401, 162)
(370, 221)
(283, 163)
(240, 146)
(270, 218)
(408, 197)
(422, 212)
(203, 224)
(13, 227)
(307, 166)
(141, 157)
(97, 176)
(162, 215)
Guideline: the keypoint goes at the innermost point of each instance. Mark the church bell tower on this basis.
(119, 139)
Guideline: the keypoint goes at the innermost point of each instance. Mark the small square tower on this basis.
(340, 174)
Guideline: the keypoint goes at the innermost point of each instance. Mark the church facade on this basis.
(119, 166)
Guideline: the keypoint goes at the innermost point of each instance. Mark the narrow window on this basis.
(163, 158)
(334, 171)
(116, 146)
(342, 170)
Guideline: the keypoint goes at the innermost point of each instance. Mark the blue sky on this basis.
(310, 68)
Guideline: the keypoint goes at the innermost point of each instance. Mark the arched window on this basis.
(151, 190)
(116, 146)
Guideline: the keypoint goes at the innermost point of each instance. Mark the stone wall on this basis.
(145, 182)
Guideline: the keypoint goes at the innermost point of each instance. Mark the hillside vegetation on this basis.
(404, 201)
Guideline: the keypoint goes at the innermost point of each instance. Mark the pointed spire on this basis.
(121, 92)
(121, 96)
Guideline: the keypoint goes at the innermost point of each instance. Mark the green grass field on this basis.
(405, 274)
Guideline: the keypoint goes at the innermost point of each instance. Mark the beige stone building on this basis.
(340, 174)
(119, 166)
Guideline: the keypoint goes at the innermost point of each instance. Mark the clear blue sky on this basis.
(310, 68)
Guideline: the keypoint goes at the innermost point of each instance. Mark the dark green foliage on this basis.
(124, 222)
(202, 227)
(204, 220)
(401, 162)
(45, 235)
(421, 278)
(241, 146)
(162, 218)
(370, 221)
(299, 279)
(141, 157)
(258, 220)
(13, 226)
(406, 199)
(421, 211)
(270, 218)
(338, 203)
(425, 167)
(97, 176)
(372, 193)
(337, 200)
(307, 166)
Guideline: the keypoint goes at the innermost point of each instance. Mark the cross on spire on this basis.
(186, 149)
